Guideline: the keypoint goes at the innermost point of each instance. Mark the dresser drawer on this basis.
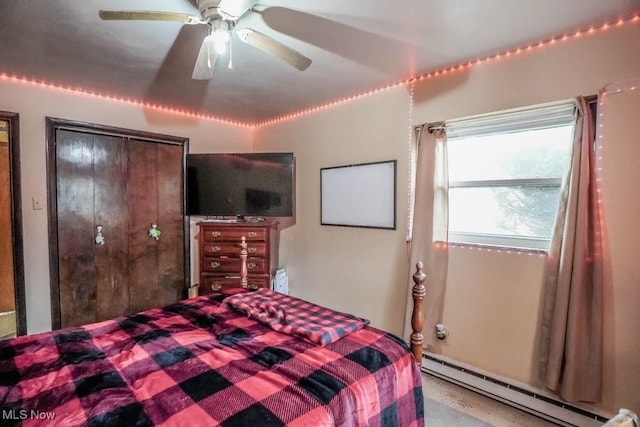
(219, 255)
(211, 234)
(216, 249)
(212, 283)
(232, 265)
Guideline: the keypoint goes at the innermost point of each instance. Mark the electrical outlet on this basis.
(37, 204)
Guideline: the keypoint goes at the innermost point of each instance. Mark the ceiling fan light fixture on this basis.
(220, 39)
(244, 34)
(221, 18)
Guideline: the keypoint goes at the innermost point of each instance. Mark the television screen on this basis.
(239, 184)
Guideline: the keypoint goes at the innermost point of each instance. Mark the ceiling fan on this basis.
(221, 16)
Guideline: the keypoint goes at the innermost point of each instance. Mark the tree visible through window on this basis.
(504, 185)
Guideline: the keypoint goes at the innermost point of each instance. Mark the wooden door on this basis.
(110, 199)
(123, 186)
(7, 293)
(91, 192)
(155, 194)
(13, 318)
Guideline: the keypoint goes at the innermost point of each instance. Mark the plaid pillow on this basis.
(293, 316)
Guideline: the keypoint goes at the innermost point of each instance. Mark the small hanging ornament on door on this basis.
(99, 236)
(154, 232)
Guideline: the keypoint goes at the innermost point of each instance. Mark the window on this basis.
(505, 173)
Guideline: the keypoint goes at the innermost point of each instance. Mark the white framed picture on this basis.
(360, 195)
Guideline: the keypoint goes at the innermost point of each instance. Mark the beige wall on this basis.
(620, 128)
(493, 299)
(491, 311)
(350, 269)
(34, 103)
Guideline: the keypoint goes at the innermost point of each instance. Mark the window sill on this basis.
(499, 249)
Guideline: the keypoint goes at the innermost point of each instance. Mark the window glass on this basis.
(518, 155)
(524, 211)
(504, 187)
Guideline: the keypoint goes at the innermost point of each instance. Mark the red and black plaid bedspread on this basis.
(198, 363)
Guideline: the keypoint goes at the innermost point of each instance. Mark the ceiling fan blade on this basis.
(234, 9)
(206, 61)
(274, 48)
(129, 15)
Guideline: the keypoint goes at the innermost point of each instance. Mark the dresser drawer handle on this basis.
(252, 265)
(216, 233)
(215, 249)
(216, 287)
(252, 234)
(252, 286)
(252, 250)
(215, 264)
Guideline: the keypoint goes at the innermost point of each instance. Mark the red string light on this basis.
(466, 65)
(91, 94)
(600, 135)
(499, 250)
(306, 111)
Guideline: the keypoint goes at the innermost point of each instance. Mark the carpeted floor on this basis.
(441, 415)
(449, 405)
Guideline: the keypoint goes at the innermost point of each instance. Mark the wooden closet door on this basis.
(76, 261)
(155, 194)
(124, 187)
(171, 217)
(110, 166)
(123, 184)
(91, 192)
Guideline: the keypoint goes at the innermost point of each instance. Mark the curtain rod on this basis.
(441, 125)
(430, 126)
(434, 127)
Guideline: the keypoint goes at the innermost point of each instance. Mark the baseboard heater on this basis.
(538, 404)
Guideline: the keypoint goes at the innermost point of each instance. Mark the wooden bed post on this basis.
(243, 262)
(417, 316)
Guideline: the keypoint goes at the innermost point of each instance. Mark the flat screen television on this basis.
(240, 184)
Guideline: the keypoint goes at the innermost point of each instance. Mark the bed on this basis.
(231, 358)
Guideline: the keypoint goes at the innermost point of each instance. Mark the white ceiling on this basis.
(355, 45)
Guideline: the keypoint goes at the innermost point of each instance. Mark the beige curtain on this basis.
(428, 241)
(571, 347)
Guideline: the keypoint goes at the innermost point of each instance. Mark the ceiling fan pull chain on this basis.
(209, 65)
(230, 53)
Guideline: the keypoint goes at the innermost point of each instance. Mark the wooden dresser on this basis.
(219, 254)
